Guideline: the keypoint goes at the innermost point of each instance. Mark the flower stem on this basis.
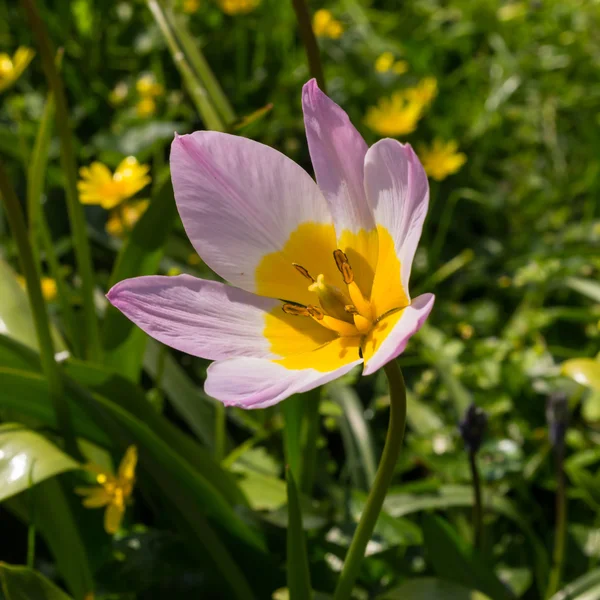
(558, 554)
(220, 431)
(310, 42)
(478, 505)
(16, 221)
(383, 478)
(69, 167)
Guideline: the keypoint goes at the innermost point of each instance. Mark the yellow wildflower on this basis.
(99, 186)
(238, 7)
(12, 68)
(394, 116)
(118, 94)
(190, 6)
(48, 285)
(324, 25)
(442, 159)
(112, 491)
(123, 218)
(384, 62)
(146, 107)
(400, 67)
(173, 271)
(148, 87)
(424, 92)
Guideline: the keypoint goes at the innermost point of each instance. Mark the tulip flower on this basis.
(319, 273)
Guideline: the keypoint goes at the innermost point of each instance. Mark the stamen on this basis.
(314, 312)
(304, 272)
(343, 265)
(363, 325)
(295, 309)
(362, 306)
(350, 308)
(342, 327)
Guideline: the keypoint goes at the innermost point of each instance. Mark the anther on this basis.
(314, 312)
(295, 309)
(304, 272)
(343, 265)
(350, 308)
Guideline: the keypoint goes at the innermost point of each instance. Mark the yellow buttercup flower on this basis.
(112, 491)
(99, 186)
(12, 68)
(442, 159)
(146, 107)
(123, 218)
(148, 87)
(238, 7)
(190, 6)
(394, 116)
(424, 92)
(49, 290)
(325, 25)
(386, 62)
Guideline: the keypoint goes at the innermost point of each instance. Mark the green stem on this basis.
(16, 221)
(558, 554)
(385, 472)
(202, 69)
(310, 42)
(69, 167)
(309, 435)
(192, 82)
(478, 504)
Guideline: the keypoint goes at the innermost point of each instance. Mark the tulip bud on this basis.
(472, 427)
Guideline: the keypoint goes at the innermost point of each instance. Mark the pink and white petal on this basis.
(337, 152)
(389, 337)
(258, 383)
(203, 318)
(398, 191)
(240, 200)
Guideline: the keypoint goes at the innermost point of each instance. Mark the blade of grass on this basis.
(298, 574)
(38, 226)
(192, 83)
(69, 167)
(201, 68)
(38, 309)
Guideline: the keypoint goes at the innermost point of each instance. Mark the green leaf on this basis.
(123, 341)
(26, 458)
(192, 405)
(456, 561)
(356, 435)
(21, 583)
(586, 287)
(298, 574)
(26, 394)
(430, 588)
(586, 587)
(585, 371)
(15, 313)
(48, 508)
(399, 504)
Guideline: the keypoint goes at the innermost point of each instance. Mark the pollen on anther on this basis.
(304, 272)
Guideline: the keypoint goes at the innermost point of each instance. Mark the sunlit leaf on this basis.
(21, 583)
(585, 371)
(26, 458)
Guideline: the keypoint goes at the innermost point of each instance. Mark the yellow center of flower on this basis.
(353, 299)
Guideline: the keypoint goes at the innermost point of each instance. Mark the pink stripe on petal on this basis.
(240, 200)
(203, 318)
(395, 342)
(398, 191)
(256, 383)
(337, 152)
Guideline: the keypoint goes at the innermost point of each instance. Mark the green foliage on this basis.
(509, 248)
